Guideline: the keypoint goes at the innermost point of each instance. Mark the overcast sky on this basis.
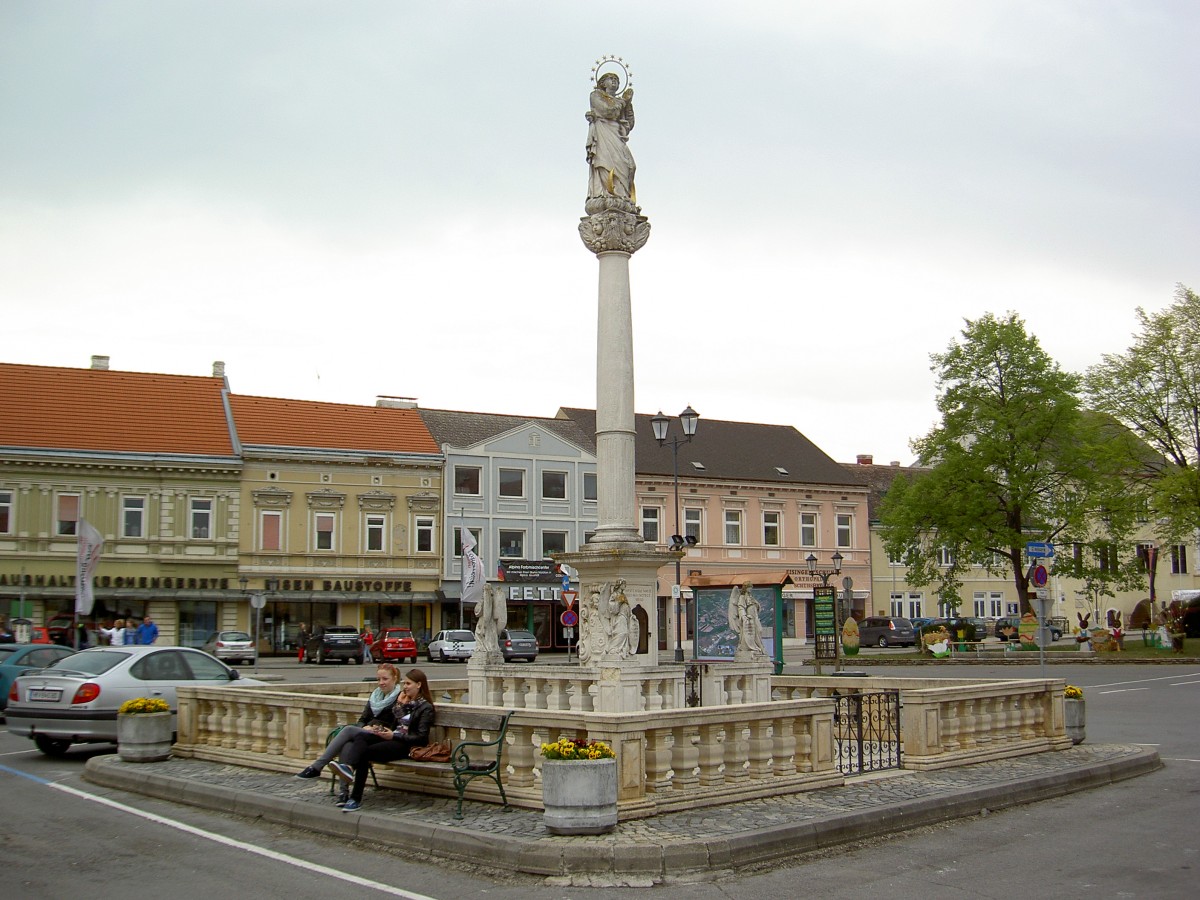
(345, 199)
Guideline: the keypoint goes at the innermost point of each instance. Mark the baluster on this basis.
(658, 759)
(737, 751)
(761, 745)
(685, 757)
(712, 754)
(784, 757)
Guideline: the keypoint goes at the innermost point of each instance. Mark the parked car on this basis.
(958, 627)
(60, 631)
(1006, 628)
(235, 647)
(18, 659)
(40, 634)
(75, 700)
(920, 622)
(394, 644)
(518, 645)
(448, 645)
(886, 631)
(334, 642)
(983, 627)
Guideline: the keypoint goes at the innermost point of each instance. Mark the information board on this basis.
(825, 624)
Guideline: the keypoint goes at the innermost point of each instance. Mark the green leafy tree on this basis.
(1153, 389)
(1014, 459)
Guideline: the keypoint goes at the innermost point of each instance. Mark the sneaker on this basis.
(309, 772)
(344, 771)
(352, 806)
(343, 798)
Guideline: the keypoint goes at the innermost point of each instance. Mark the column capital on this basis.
(614, 230)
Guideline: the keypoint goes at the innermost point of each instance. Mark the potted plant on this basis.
(144, 730)
(1074, 714)
(579, 787)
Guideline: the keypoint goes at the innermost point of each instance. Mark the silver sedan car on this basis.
(75, 700)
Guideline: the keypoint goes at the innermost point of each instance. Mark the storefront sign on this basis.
(528, 570)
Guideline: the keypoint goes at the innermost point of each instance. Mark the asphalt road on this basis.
(63, 837)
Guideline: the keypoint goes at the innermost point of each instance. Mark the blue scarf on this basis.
(380, 701)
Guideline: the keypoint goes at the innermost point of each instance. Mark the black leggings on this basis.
(362, 751)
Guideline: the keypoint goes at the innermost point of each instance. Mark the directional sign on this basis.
(1040, 576)
(568, 598)
(1039, 550)
(566, 582)
(569, 618)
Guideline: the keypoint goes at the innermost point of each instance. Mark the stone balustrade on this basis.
(668, 757)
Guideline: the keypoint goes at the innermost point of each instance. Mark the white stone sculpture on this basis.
(491, 617)
(743, 611)
(610, 119)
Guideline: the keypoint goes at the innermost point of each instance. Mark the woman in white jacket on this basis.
(116, 634)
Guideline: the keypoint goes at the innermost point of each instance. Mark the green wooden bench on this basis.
(469, 759)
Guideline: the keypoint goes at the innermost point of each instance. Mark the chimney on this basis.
(395, 402)
(218, 369)
(895, 462)
(866, 459)
(99, 362)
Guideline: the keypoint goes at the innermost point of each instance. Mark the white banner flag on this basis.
(472, 570)
(87, 557)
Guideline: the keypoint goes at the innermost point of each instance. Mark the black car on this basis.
(518, 645)
(334, 642)
(1006, 629)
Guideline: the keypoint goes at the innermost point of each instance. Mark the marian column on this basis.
(614, 230)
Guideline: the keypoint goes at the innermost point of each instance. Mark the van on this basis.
(886, 631)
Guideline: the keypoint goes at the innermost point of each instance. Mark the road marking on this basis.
(1144, 680)
(1124, 690)
(221, 839)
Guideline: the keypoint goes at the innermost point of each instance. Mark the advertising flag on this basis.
(87, 557)
(472, 570)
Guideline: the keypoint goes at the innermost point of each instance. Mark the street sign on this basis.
(1039, 550)
(258, 600)
(566, 582)
(568, 598)
(568, 633)
(569, 618)
(1040, 576)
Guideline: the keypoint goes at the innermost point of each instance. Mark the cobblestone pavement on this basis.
(711, 838)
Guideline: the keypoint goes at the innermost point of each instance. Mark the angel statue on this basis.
(591, 638)
(743, 611)
(491, 617)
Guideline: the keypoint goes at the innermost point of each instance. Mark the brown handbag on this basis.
(439, 751)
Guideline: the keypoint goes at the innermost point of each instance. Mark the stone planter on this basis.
(1075, 718)
(144, 737)
(579, 795)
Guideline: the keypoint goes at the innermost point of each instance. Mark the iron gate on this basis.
(866, 731)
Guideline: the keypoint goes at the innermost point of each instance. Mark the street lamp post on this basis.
(688, 420)
(825, 575)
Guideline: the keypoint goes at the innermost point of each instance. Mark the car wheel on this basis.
(442, 656)
(51, 746)
(883, 641)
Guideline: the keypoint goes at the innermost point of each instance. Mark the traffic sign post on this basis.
(1039, 550)
(568, 598)
(569, 618)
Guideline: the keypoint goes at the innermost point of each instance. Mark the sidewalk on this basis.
(644, 851)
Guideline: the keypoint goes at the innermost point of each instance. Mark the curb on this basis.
(630, 858)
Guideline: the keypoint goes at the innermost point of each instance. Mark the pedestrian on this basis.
(301, 642)
(414, 718)
(147, 632)
(380, 712)
(116, 634)
(368, 639)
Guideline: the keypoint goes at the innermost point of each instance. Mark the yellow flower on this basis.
(1073, 693)
(143, 705)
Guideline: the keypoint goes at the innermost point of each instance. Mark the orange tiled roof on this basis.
(44, 407)
(272, 422)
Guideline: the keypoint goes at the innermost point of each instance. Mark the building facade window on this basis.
(512, 544)
(202, 517)
(988, 603)
(512, 482)
(589, 486)
(650, 521)
(554, 485)
(808, 529)
(733, 527)
(845, 530)
(770, 529)
(323, 528)
(1179, 559)
(6, 515)
(424, 532)
(945, 557)
(475, 533)
(375, 526)
(553, 542)
(133, 517)
(693, 524)
(270, 530)
(68, 514)
(467, 481)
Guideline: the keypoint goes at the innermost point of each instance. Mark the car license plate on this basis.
(46, 695)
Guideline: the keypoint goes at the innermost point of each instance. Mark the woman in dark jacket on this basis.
(380, 712)
(414, 717)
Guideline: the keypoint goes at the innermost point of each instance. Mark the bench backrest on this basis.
(447, 717)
